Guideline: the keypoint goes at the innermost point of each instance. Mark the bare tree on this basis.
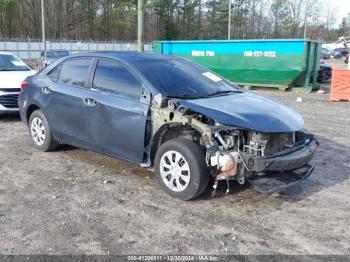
(116, 20)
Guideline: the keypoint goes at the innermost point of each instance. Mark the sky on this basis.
(342, 7)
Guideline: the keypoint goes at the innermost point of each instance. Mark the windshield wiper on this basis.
(186, 96)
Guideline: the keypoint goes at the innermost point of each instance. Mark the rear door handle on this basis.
(90, 102)
(47, 89)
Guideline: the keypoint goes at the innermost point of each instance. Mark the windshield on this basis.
(183, 79)
(56, 54)
(12, 63)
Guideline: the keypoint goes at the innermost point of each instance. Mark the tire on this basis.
(170, 162)
(39, 125)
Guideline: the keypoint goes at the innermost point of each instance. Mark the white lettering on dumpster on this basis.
(258, 53)
(203, 53)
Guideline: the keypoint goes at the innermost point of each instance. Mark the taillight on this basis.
(24, 85)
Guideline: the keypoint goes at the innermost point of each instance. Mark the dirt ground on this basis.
(77, 202)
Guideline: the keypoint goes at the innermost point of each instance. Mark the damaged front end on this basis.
(269, 161)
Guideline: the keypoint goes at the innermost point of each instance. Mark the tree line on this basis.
(116, 20)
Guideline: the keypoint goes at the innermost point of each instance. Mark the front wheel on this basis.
(181, 169)
(40, 132)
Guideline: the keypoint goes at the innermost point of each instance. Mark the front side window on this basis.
(75, 72)
(114, 78)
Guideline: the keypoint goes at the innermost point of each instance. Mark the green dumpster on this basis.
(282, 63)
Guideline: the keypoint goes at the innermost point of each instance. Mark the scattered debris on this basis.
(320, 91)
(107, 182)
(299, 99)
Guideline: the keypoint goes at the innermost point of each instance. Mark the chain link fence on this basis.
(30, 49)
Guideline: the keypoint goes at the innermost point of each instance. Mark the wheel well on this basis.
(167, 133)
(30, 110)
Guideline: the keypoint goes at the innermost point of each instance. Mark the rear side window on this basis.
(114, 78)
(74, 72)
(54, 74)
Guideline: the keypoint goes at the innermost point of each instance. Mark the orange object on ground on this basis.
(340, 87)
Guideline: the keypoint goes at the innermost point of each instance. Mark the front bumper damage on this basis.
(231, 154)
(290, 159)
(276, 173)
(272, 182)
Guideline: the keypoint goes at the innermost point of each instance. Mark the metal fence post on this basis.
(17, 49)
(29, 50)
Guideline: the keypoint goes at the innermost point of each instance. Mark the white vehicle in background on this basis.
(12, 73)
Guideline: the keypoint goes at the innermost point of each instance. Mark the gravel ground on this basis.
(73, 201)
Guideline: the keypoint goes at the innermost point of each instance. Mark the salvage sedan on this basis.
(167, 112)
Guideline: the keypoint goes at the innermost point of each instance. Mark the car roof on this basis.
(127, 56)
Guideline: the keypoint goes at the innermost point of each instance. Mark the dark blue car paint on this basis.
(248, 110)
(116, 126)
(120, 126)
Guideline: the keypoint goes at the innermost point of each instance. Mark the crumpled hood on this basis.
(13, 79)
(248, 110)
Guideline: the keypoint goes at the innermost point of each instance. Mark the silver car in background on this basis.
(51, 56)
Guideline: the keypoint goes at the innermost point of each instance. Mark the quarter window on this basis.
(55, 74)
(75, 72)
(116, 79)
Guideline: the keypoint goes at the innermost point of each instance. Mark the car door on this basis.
(120, 116)
(68, 107)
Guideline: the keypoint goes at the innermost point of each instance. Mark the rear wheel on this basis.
(40, 132)
(181, 169)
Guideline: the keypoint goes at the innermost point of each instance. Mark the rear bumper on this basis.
(291, 159)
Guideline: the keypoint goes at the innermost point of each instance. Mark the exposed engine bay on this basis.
(234, 153)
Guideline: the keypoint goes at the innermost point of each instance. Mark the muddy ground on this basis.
(58, 203)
